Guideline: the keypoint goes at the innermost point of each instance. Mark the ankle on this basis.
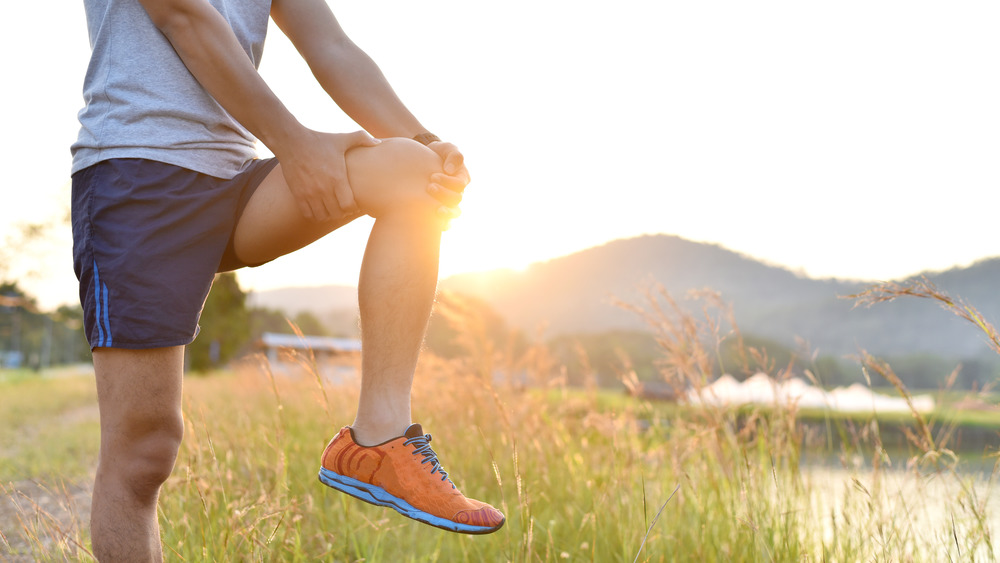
(371, 434)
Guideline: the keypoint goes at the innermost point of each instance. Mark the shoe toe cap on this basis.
(485, 516)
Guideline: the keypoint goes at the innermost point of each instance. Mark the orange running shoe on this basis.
(404, 474)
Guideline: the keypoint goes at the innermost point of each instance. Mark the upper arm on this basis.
(166, 13)
(310, 25)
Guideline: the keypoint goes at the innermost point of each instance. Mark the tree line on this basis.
(35, 340)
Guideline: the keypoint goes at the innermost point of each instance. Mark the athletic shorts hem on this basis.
(146, 345)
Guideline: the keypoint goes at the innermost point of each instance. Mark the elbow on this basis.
(172, 17)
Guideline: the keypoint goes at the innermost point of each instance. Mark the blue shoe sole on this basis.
(378, 496)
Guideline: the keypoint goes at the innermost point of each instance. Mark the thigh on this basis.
(139, 393)
(272, 226)
(393, 174)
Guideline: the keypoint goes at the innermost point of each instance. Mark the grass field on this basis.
(581, 477)
(582, 474)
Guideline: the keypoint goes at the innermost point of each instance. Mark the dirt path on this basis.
(47, 517)
(42, 517)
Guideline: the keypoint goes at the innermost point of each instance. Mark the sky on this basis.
(850, 139)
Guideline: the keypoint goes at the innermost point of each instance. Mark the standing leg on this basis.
(139, 394)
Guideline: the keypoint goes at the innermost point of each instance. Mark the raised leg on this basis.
(396, 290)
(139, 394)
(398, 276)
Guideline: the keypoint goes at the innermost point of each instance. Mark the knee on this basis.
(145, 453)
(392, 178)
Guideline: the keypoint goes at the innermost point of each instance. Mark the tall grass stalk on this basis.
(582, 474)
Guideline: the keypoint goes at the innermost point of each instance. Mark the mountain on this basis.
(317, 300)
(576, 294)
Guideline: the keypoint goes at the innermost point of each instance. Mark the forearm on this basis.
(358, 86)
(346, 72)
(210, 51)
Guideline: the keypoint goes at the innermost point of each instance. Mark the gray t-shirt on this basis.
(141, 101)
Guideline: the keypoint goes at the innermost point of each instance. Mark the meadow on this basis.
(583, 474)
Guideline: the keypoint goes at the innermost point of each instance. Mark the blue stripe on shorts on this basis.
(103, 317)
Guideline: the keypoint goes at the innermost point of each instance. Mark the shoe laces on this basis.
(422, 446)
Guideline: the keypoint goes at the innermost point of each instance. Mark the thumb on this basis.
(362, 139)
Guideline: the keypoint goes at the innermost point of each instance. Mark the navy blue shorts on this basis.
(148, 239)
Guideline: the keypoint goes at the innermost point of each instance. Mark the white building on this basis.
(336, 359)
(761, 389)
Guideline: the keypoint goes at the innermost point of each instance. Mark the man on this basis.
(167, 191)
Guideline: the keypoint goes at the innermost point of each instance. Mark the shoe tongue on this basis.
(414, 431)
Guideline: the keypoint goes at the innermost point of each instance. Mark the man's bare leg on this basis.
(395, 291)
(139, 393)
(398, 276)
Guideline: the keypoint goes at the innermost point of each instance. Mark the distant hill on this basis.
(575, 294)
(317, 300)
